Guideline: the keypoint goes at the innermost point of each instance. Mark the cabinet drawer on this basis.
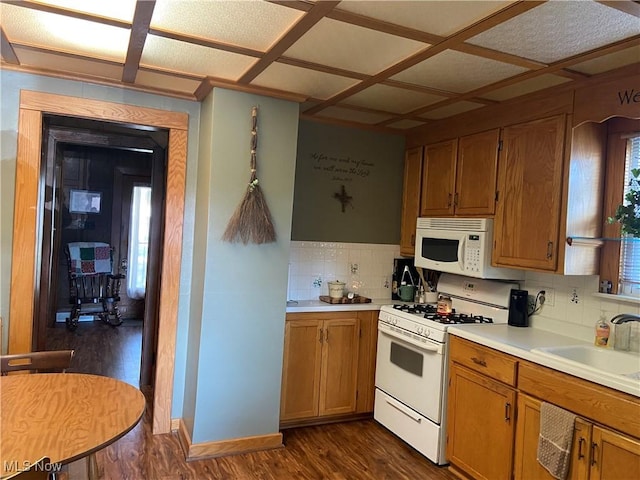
(484, 360)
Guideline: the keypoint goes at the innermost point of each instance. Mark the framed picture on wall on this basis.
(84, 201)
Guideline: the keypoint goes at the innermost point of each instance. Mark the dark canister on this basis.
(518, 313)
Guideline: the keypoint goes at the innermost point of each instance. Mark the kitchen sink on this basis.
(597, 358)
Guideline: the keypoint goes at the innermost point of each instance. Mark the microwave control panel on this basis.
(472, 250)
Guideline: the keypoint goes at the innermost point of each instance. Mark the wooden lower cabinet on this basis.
(327, 360)
(481, 424)
(487, 429)
(614, 456)
(527, 431)
(597, 452)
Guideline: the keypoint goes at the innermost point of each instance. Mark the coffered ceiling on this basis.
(386, 64)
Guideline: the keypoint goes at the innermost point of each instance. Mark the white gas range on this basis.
(411, 365)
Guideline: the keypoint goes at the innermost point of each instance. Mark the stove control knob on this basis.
(420, 330)
(394, 321)
(427, 332)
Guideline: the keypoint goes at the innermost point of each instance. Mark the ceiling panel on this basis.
(609, 62)
(189, 58)
(62, 63)
(405, 124)
(301, 80)
(391, 99)
(436, 17)
(252, 24)
(350, 47)
(450, 110)
(354, 115)
(526, 86)
(62, 33)
(120, 9)
(166, 82)
(559, 29)
(457, 72)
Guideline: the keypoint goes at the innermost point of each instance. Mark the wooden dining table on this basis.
(62, 416)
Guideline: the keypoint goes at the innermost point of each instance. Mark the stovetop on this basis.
(429, 312)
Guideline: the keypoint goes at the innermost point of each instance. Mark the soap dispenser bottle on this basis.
(602, 331)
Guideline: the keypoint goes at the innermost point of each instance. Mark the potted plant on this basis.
(628, 213)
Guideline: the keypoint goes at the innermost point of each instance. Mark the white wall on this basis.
(237, 332)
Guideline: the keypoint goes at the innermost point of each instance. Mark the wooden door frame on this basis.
(27, 220)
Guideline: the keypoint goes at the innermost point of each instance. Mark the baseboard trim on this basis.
(175, 424)
(235, 446)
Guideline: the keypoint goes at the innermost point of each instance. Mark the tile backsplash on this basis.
(574, 307)
(571, 309)
(365, 268)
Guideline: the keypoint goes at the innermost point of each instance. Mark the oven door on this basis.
(441, 250)
(411, 371)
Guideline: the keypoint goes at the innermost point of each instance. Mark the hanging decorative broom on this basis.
(251, 222)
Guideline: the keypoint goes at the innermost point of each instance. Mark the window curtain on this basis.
(630, 251)
(138, 242)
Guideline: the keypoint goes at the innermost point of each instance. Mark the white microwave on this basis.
(459, 245)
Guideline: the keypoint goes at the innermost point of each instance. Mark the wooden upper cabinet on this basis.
(529, 194)
(476, 173)
(438, 178)
(459, 176)
(410, 200)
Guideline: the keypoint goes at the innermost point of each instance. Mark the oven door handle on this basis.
(426, 347)
(404, 411)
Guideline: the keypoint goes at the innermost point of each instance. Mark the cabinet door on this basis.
(527, 430)
(614, 456)
(476, 173)
(338, 373)
(438, 179)
(301, 369)
(529, 193)
(410, 200)
(481, 425)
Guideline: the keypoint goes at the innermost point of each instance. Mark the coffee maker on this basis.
(518, 308)
(399, 265)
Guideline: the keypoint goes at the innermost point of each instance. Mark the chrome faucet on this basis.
(622, 332)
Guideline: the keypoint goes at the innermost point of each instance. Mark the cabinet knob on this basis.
(455, 200)
(449, 201)
(594, 447)
(507, 412)
(320, 339)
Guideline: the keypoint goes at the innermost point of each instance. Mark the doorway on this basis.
(88, 157)
(29, 213)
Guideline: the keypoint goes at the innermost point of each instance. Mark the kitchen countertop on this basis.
(320, 306)
(520, 342)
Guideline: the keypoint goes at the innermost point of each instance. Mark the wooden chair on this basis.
(38, 362)
(37, 471)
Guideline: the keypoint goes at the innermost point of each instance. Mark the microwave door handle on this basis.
(461, 246)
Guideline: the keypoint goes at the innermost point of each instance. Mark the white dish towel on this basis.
(556, 437)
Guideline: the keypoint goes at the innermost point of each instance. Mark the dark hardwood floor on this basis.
(360, 450)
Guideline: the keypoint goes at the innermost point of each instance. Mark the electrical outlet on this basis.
(549, 296)
(575, 295)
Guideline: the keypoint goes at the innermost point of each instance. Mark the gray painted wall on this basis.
(10, 85)
(368, 164)
(237, 383)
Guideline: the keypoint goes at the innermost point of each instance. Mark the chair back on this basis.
(39, 362)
